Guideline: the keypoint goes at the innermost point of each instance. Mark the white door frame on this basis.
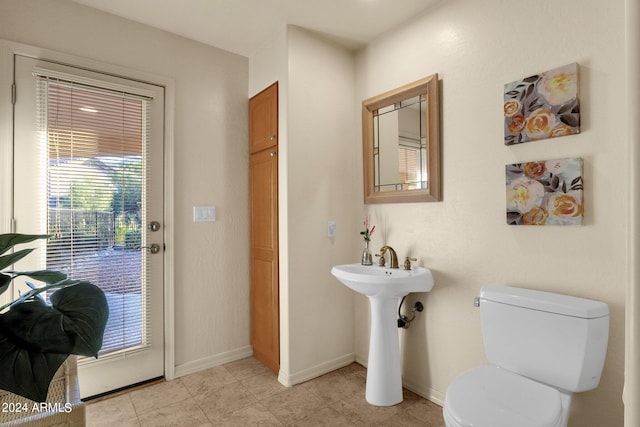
(7, 51)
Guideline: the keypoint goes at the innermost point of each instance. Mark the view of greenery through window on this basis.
(114, 195)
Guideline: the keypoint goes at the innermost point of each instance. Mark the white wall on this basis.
(318, 183)
(476, 47)
(322, 187)
(211, 161)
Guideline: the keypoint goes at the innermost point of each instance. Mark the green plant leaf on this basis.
(5, 281)
(46, 276)
(86, 312)
(9, 240)
(34, 293)
(26, 372)
(35, 337)
(7, 260)
(73, 324)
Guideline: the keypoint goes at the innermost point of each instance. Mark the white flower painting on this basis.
(545, 192)
(542, 106)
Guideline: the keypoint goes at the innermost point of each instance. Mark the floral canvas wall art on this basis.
(542, 106)
(545, 192)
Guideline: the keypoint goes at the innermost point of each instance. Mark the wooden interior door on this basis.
(263, 182)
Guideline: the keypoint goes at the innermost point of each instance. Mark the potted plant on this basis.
(36, 336)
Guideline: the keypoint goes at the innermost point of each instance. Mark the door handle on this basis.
(153, 226)
(154, 248)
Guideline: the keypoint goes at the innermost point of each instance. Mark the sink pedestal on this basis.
(384, 287)
(384, 376)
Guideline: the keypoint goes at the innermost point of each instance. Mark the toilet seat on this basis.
(489, 396)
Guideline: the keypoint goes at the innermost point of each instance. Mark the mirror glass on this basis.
(401, 144)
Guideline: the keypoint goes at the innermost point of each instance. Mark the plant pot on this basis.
(62, 408)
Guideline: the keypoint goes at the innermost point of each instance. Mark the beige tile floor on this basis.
(245, 393)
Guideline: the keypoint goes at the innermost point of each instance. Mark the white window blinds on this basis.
(95, 136)
(412, 166)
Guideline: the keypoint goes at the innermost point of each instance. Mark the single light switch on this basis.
(331, 229)
(204, 214)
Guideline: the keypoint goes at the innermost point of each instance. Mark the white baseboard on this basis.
(426, 392)
(290, 380)
(212, 361)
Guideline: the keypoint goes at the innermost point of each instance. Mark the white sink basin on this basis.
(383, 281)
(384, 286)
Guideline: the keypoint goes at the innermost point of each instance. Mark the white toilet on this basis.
(541, 347)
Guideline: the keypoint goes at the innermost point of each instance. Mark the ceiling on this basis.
(242, 26)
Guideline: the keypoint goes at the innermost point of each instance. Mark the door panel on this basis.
(263, 119)
(88, 154)
(264, 259)
(265, 327)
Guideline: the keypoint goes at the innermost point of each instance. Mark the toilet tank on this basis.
(555, 339)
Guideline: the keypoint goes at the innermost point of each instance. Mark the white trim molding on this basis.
(427, 392)
(290, 380)
(213, 361)
(6, 138)
(631, 393)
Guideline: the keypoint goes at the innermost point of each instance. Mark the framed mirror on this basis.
(401, 144)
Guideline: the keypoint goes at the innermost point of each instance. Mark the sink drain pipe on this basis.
(404, 321)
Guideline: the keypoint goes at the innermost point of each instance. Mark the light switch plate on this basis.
(204, 214)
(331, 229)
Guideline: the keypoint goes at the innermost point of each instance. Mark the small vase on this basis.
(366, 254)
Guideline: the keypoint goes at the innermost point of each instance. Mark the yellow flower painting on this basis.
(545, 192)
(542, 106)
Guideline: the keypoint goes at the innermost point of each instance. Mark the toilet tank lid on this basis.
(545, 301)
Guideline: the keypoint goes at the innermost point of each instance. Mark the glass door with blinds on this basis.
(88, 170)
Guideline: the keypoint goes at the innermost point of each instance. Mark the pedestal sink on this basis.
(384, 287)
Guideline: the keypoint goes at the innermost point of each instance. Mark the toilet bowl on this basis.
(542, 347)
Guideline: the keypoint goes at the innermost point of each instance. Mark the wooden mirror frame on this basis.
(428, 86)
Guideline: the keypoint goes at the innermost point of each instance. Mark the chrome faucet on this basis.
(394, 256)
